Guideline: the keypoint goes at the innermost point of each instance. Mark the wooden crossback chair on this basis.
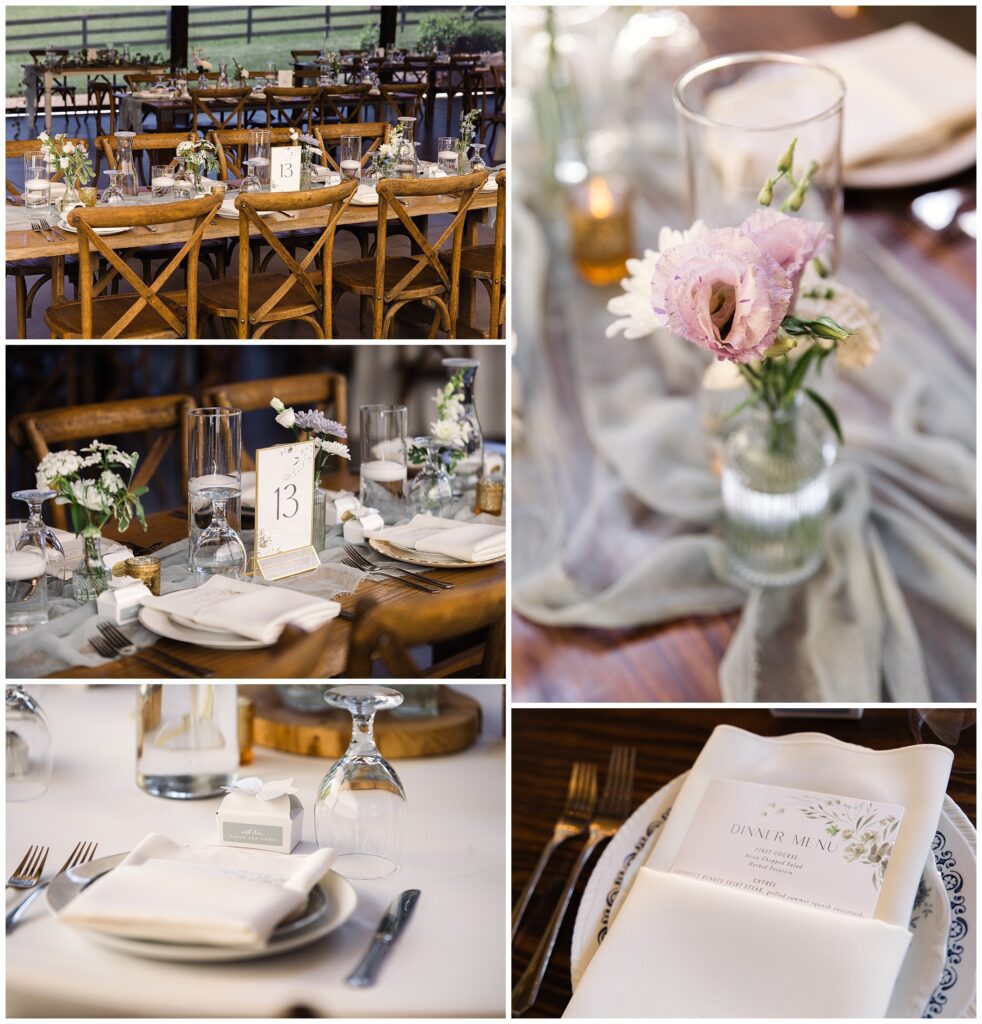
(150, 313)
(328, 391)
(389, 631)
(343, 103)
(418, 70)
(402, 100)
(289, 107)
(102, 93)
(59, 86)
(162, 417)
(457, 80)
(300, 56)
(394, 282)
(257, 302)
(330, 135)
(486, 263)
(230, 107)
(137, 79)
(22, 270)
(493, 112)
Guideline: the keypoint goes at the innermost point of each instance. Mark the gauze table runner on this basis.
(891, 615)
(688, 948)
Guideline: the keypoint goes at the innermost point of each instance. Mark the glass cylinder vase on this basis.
(91, 577)
(776, 495)
(469, 465)
(383, 460)
(214, 460)
(320, 519)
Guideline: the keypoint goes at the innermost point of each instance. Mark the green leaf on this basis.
(139, 490)
(828, 412)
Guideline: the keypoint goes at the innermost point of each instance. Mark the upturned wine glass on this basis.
(113, 195)
(219, 550)
(37, 533)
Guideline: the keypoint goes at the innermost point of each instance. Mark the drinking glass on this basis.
(272, 70)
(383, 459)
(477, 161)
(38, 534)
(259, 143)
(446, 155)
(162, 183)
(183, 183)
(187, 739)
(113, 195)
(431, 491)
(349, 156)
(25, 568)
(251, 182)
(30, 748)
(738, 115)
(37, 181)
(219, 550)
(361, 803)
(214, 470)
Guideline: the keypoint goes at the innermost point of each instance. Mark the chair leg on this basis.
(21, 288)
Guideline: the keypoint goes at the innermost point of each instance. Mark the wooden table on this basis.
(545, 743)
(679, 661)
(172, 526)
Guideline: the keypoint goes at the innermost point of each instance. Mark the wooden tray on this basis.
(275, 725)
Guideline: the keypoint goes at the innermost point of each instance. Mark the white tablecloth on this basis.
(450, 961)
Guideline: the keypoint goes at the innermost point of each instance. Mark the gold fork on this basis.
(615, 804)
(82, 854)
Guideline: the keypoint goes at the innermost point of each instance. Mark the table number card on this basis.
(285, 169)
(285, 510)
(816, 849)
(284, 78)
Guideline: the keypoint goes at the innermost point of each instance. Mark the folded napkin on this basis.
(365, 195)
(467, 542)
(683, 947)
(206, 895)
(250, 610)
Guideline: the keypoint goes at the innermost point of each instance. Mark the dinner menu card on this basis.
(819, 850)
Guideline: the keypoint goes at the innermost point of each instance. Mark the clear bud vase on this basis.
(406, 152)
(469, 465)
(91, 577)
(319, 528)
(776, 494)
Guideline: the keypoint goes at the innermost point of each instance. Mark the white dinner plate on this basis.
(433, 559)
(364, 196)
(339, 905)
(65, 226)
(958, 155)
(162, 624)
(943, 944)
(228, 210)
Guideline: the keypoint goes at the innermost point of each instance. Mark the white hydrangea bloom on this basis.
(111, 482)
(57, 464)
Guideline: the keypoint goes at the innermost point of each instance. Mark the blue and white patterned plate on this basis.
(942, 952)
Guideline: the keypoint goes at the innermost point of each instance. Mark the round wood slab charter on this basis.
(327, 735)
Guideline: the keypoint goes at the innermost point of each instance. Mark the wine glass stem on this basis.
(362, 735)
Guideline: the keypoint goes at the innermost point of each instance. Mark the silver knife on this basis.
(389, 928)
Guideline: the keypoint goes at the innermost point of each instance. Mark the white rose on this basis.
(287, 418)
(64, 163)
(245, 74)
(44, 136)
(69, 148)
(277, 405)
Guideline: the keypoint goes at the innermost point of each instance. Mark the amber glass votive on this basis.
(89, 194)
(600, 226)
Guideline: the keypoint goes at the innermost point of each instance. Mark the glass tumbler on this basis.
(738, 114)
(446, 155)
(25, 570)
(162, 183)
(37, 181)
(187, 740)
(349, 156)
(383, 459)
(259, 143)
(214, 461)
(30, 748)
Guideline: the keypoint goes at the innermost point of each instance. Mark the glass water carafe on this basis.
(469, 466)
(406, 152)
(126, 165)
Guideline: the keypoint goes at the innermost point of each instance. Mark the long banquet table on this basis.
(450, 963)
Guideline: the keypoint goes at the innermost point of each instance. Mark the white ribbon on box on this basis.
(255, 786)
(359, 521)
(339, 503)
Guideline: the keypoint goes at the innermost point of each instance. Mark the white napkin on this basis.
(681, 947)
(365, 195)
(250, 610)
(207, 895)
(468, 542)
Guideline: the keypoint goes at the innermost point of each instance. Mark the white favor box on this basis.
(355, 529)
(343, 501)
(122, 603)
(260, 824)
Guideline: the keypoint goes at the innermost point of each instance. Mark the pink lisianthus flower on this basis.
(793, 242)
(722, 292)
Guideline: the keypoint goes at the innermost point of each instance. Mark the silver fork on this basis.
(52, 228)
(27, 874)
(369, 565)
(82, 854)
(615, 804)
(414, 584)
(103, 648)
(581, 800)
(123, 645)
(36, 227)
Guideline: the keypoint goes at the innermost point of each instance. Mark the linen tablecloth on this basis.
(450, 962)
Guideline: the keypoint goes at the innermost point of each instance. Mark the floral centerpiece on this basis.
(241, 73)
(308, 147)
(199, 157)
(759, 297)
(384, 158)
(451, 429)
(70, 159)
(91, 483)
(467, 133)
(328, 436)
(199, 60)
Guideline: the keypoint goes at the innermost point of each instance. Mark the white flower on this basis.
(205, 65)
(332, 447)
(184, 148)
(111, 482)
(294, 135)
(56, 464)
(91, 460)
(846, 307)
(44, 137)
(277, 405)
(452, 410)
(448, 431)
(287, 418)
(88, 495)
(245, 74)
(64, 163)
(69, 148)
(634, 306)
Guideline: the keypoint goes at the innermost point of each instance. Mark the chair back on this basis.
(295, 655)
(227, 104)
(40, 56)
(148, 148)
(163, 418)
(299, 56)
(328, 391)
(342, 103)
(290, 107)
(417, 69)
(17, 148)
(232, 147)
(389, 631)
(330, 135)
(183, 321)
(137, 78)
(465, 188)
(402, 99)
(319, 292)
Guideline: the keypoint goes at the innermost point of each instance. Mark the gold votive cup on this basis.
(599, 211)
(89, 194)
(490, 496)
(219, 187)
(146, 569)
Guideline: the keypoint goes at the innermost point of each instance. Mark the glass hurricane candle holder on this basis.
(601, 239)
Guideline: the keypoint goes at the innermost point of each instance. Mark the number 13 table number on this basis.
(285, 510)
(285, 173)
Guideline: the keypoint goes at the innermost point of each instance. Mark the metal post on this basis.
(387, 25)
(178, 19)
(248, 24)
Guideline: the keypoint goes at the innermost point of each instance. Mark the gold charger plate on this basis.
(430, 560)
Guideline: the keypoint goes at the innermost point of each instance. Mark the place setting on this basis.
(319, 885)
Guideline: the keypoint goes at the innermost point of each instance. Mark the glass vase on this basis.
(431, 492)
(91, 577)
(776, 494)
(320, 519)
(469, 466)
(305, 177)
(69, 199)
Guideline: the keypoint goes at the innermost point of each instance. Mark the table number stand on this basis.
(283, 544)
